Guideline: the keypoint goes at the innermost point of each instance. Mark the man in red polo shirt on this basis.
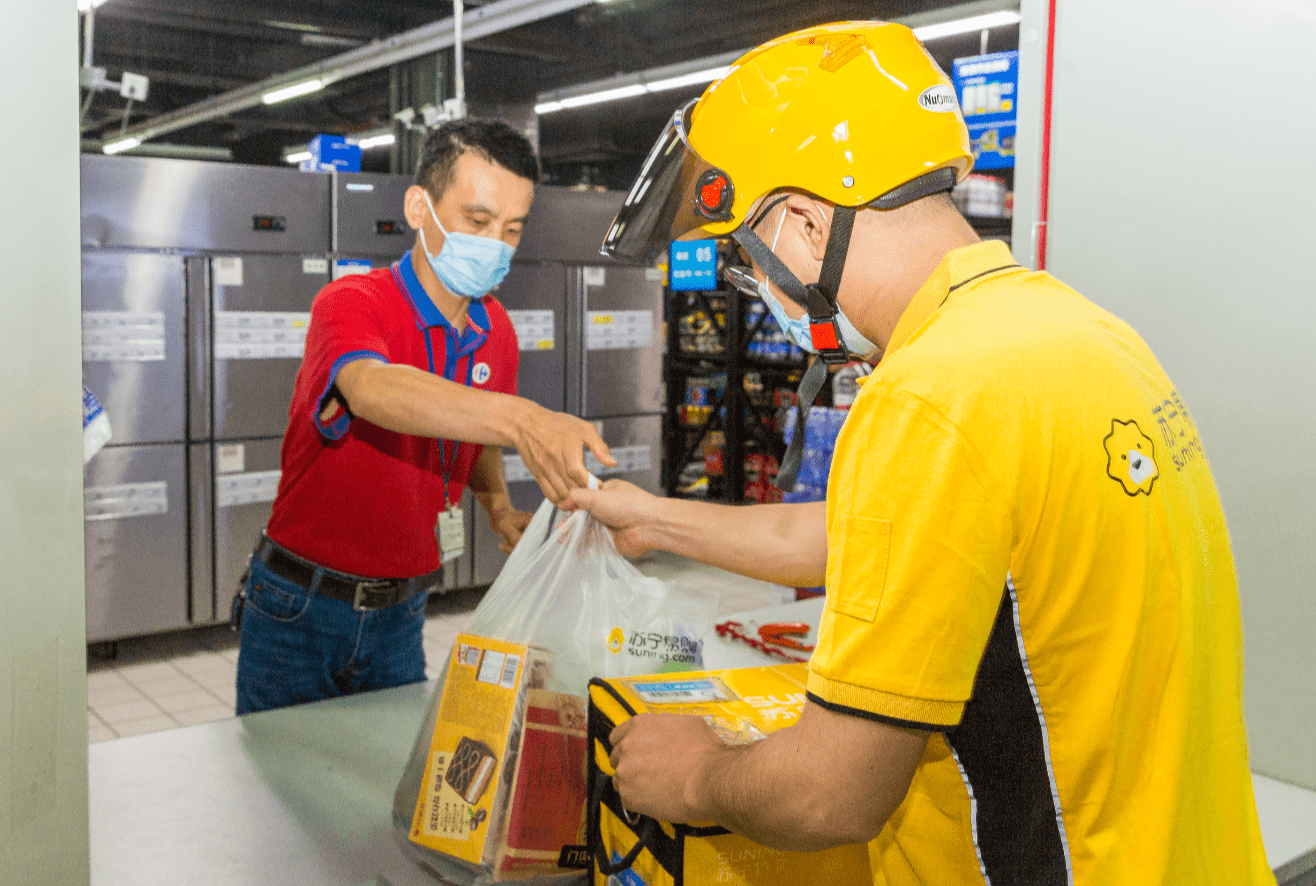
(406, 394)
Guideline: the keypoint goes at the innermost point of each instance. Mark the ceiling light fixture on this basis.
(634, 89)
(297, 157)
(306, 87)
(123, 144)
(377, 141)
(707, 76)
(967, 25)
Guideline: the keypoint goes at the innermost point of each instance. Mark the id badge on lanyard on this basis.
(451, 533)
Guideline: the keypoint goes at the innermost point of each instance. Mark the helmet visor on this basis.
(676, 192)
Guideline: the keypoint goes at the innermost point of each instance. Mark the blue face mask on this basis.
(798, 329)
(469, 266)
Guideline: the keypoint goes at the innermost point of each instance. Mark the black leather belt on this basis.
(364, 594)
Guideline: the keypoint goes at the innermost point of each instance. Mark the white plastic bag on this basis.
(567, 591)
(573, 594)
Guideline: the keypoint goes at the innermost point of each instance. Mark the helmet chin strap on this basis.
(820, 298)
(820, 301)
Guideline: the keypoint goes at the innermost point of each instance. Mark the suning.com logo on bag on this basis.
(651, 644)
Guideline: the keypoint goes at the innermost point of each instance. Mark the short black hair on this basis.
(493, 140)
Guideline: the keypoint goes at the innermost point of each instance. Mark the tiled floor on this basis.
(185, 678)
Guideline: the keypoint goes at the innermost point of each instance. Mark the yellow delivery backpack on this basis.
(743, 705)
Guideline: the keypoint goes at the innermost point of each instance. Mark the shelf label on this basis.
(618, 330)
(260, 335)
(315, 265)
(245, 489)
(596, 276)
(630, 459)
(123, 336)
(125, 500)
(344, 267)
(227, 270)
(535, 330)
(230, 458)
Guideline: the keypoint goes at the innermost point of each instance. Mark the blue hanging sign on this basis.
(693, 265)
(988, 89)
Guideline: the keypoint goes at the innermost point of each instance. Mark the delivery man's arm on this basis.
(784, 543)
(830, 780)
(407, 400)
(489, 486)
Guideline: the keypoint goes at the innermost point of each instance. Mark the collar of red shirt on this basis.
(427, 313)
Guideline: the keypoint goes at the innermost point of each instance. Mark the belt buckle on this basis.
(367, 587)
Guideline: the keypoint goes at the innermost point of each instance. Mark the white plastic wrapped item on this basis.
(565, 608)
(95, 425)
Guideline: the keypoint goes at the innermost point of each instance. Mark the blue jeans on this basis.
(300, 646)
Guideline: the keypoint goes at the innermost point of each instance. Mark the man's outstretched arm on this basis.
(783, 543)
(831, 779)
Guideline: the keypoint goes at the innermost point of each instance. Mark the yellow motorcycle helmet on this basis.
(857, 113)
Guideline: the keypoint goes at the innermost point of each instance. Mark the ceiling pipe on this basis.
(483, 21)
(460, 74)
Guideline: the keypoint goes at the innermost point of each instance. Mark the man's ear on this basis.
(414, 207)
(817, 226)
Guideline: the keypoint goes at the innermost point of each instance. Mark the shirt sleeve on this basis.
(918, 548)
(345, 326)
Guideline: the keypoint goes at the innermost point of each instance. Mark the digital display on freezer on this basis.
(693, 265)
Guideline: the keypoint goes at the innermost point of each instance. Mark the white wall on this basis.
(43, 681)
(1182, 200)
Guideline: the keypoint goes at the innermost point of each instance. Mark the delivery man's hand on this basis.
(660, 761)
(624, 508)
(552, 445)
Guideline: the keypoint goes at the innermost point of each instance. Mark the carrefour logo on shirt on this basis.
(481, 373)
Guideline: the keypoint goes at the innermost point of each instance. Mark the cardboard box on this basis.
(504, 781)
(546, 809)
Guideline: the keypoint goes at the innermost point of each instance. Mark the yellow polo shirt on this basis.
(1027, 557)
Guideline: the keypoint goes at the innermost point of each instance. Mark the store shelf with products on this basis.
(987, 202)
(726, 357)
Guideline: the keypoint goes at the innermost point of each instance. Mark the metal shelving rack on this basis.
(725, 310)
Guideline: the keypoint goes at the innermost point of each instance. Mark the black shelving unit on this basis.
(724, 354)
(747, 422)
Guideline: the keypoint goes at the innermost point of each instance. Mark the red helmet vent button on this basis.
(715, 195)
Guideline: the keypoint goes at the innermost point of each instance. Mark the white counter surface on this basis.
(303, 796)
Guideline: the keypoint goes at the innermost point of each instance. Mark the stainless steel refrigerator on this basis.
(197, 285)
(196, 282)
(135, 490)
(259, 312)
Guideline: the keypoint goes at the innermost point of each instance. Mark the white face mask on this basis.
(798, 329)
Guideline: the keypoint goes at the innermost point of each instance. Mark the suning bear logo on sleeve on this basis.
(1131, 457)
